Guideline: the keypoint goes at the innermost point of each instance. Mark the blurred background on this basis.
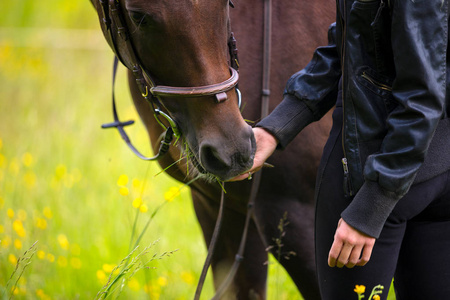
(73, 198)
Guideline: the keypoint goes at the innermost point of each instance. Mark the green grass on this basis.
(59, 172)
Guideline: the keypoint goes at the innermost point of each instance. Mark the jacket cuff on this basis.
(287, 120)
(370, 209)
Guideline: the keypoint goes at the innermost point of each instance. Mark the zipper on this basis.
(343, 29)
(348, 191)
(347, 183)
(376, 83)
(382, 4)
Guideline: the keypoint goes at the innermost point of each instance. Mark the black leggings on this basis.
(414, 246)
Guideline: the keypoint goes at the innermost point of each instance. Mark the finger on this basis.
(334, 253)
(344, 255)
(354, 258)
(335, 249)
(365, 257)
(239, 177)
(246, 175)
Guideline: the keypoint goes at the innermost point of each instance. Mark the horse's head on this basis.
(183, 44)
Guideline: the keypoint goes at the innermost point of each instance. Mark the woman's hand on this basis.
(266, 144)
(350, 247)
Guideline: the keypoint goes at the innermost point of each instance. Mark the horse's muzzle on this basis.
(227, 158)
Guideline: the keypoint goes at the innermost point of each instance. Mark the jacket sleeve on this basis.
(309, 94)
(419, 42)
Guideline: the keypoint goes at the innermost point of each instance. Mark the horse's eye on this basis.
(138, 18)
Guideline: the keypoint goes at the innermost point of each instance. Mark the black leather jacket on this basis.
(390, 61)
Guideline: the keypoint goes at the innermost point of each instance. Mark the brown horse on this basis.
(183, 43)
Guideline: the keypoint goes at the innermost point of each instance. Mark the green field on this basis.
(73, 198)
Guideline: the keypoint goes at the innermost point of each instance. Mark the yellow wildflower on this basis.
(123, 180)
(124, 191)
(40, 293)
(2, 160)
(50, 257)
(18, 228)
(75, 262)
(22, 214)
(153, 290)
(108, 268)
(17, 244)
(376, 297)
(101, 276)
(29, 178)
(137, 202)
(63, 241)
(162, 281)
(2, 229)
(171, 193)
(40, 254)
(136, 183)
(69, 181)
(60, 171)
(14, 167)
(22, 233)
(41, 223)
(188, 277)
(6, 241)
(48, 213)
(134, 285)
(22, 281)
(17, 225)
(27, 159)
(62, 261)
(360, 289)
(12, 259)
(143, 208)
(10, 213)
(2, 201)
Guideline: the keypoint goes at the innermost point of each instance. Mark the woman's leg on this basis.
(338, 283)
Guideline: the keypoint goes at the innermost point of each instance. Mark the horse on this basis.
(182, 44)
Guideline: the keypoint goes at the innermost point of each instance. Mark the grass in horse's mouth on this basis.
(194, 169)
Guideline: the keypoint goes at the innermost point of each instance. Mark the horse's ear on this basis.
(231, 3)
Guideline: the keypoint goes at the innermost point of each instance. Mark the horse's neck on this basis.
(298, 27)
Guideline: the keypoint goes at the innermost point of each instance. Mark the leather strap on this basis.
(164, 140)
(200, 91)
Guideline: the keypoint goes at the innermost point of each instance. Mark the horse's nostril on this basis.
(212, 160)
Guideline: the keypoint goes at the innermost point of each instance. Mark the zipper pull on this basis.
(347, 184)
(382, 4)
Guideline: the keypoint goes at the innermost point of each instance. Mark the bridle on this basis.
(112, 15)
(113, 19)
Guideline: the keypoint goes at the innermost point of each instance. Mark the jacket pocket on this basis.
(373, 101)
(379, 85)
